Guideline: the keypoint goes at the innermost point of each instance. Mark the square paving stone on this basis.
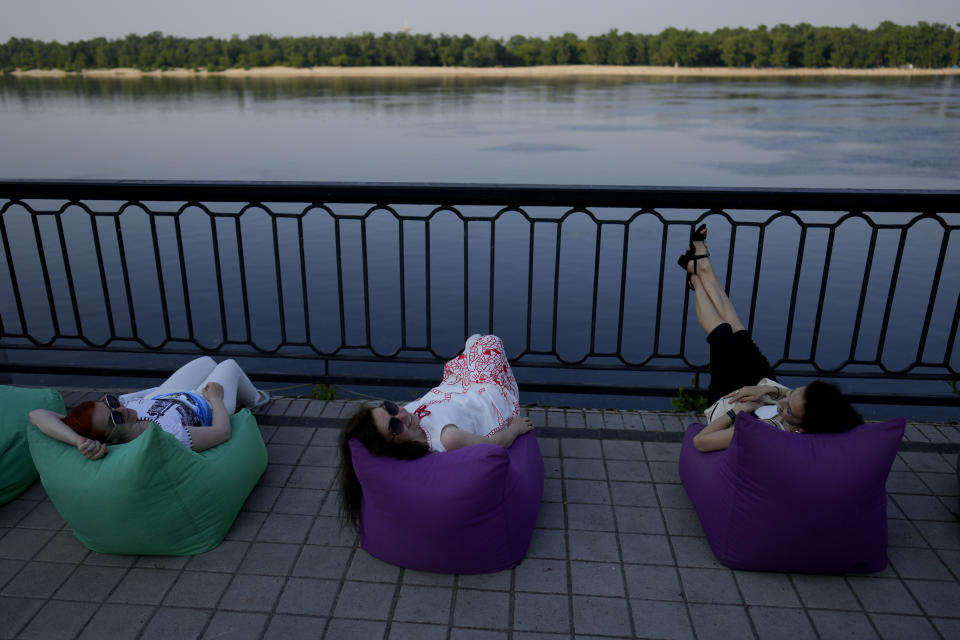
(587, 491)
(895, 627)
(594, 545)
(293, 435)
(339, 629)
(91, 584)
(906, 482)
(653, 619)
(601, 616)
(936, 598)
(413, 631)
(682, 522)
(775, 623)
(63, 547)
(552, 490)
(281, 527)
(628, 471)
(584, 469)
(541, 575)
(645, 548)
(261, 498)
(328, 531)
(14, 511)
(162, 562)
(143, 586)
(368, 600)
(482, 609)
(903, 533)
(948, 628)
(15, 613)
(712, 586)
(551, 467)
(227, 556)
(918, 563)
(320, 457)
(276, 475)
(8, 568)
(550, 516)
(58, 619)
(115, 621)
(720, 621)
(596, 578)
(22, 544)
(580, 448)
(623, 450)
(423, 604)
(428, 578)
(44, 516)
(923, 507)
(322, 562)
(326, 437)
(285, 627)
(590, 517)
(841, 624)
(498, 581)
(477, 634)
(940, 535)
(664, 472)
(365, 567)
(634, 494)
(246, 526)
(235, 625)
(270, 559)
(662, 451)
(541, 612)
(639, 520)
(197, 589)
(307, 477)
(768, 589)
(694, 552)
(284, 453)
(548, 543)
(649, 582)
(307, 596)
(38, 580)
(252, 593)
(825, 592)
(883, 595)
(549, 447)
(109, 560)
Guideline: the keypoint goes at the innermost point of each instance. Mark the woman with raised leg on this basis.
(737, 366)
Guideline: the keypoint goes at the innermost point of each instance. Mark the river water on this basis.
(897, 133)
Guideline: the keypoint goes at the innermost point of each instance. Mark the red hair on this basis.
(80, 419)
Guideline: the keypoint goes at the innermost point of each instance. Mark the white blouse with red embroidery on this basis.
(478, 393)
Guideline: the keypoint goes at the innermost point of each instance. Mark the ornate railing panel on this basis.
(377, 283)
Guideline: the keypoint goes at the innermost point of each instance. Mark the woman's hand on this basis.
(749, 394)
(516, 427)
(213, 391)
(749, 407)
(91, 449)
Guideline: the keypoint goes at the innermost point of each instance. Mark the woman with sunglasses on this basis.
(194, 405)
(476, 403)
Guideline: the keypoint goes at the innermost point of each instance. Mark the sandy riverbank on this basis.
(495, 72)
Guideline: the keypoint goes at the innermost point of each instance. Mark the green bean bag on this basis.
(152, 496)
(16, 466)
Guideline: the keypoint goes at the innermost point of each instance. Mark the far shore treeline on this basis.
(923, 45)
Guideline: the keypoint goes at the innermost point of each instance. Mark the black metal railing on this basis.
(372, 282)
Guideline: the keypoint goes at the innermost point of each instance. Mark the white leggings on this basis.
(237, 388)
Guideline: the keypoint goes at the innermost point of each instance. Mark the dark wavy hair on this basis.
(827, 410)
(362, 427)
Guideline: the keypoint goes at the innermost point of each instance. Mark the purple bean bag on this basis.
(472, 510)
(779, 501)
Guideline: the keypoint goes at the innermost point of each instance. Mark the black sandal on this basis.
(697, 235)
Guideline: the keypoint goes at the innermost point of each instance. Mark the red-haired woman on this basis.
(193, 405)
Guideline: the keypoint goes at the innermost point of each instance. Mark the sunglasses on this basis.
(396, 427)
(115, 416)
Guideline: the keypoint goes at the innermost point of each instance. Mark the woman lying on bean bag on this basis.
(742, 378)
(450, 482)
(194, 405)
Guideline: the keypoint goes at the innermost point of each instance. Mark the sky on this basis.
(67, 20)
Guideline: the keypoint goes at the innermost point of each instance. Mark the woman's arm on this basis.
(754, 393)
(52, 425)
(717, 435)
(206, 437)
(453, 437)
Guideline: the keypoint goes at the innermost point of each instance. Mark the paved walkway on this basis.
(618, 553)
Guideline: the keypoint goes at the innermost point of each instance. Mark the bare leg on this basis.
(713, 290)
(707, 314)
(189, 376)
